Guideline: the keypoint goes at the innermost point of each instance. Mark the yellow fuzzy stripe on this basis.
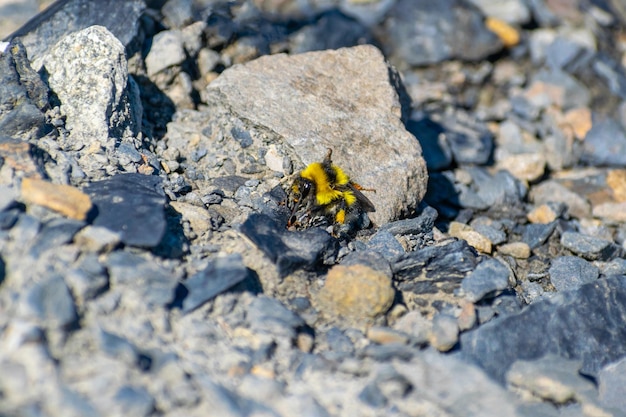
(324, 193)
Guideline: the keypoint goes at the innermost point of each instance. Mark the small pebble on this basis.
(65, 199)
(519, 250)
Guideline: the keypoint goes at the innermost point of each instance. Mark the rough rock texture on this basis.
(583, 324)
(293, 96)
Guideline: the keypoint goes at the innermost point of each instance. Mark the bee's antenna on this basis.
(329, 153)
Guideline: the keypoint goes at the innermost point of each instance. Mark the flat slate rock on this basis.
(585, 324)
(220, 275)
(570, 272)
(120, 17)
(132, 205)
(489, 276)
(289, 250)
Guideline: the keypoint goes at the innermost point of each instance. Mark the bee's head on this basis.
(301, 188)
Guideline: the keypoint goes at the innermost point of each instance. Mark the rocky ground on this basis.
(146, 150)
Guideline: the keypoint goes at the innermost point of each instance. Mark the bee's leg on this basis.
(361, 188)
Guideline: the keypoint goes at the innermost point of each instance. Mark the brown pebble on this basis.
(356, 293)
(64, 199)
(385, 335)
(616, 180)
(542, 214)
(473, 238)
(519, 250)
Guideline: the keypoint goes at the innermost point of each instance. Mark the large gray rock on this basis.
(99, 100)
(585, 324)
(320, 100)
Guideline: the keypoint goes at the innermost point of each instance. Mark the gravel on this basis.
(146, 157)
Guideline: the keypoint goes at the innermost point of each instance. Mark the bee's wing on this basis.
(365, 203)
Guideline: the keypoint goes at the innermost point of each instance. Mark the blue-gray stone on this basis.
(372, 396)
(536, 235)
(489, 276)
(605, 143)
(55, 233)
(571, 272)
(567, 55)
(290, 250)
(50, 301)
(149, 282)
(119, 348)
(469, 146)
(414, 226)
(386, 244)
(369, 258)
(8, 218)
(576, 94)
(388, 352)
(499, 190)
(331, 30)
(585, 324)
(423, 270)
(220, 275)
(435, 150)
(423, 32)
(271, 316)
(134, 401)
(127, 153)
(591, 248)
(611, 73)
(132, 205)
(339, 345)
(496, 236)
(611, 383)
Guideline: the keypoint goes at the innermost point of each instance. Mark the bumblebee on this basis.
(324, 195)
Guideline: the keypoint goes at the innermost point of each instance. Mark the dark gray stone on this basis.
(332, 30)
(132, 205)
(23, 95)
(386, 244)
(289, 250)
(469, 144)
(425, 32)
(610, 72)
(149, 282)
(585, 324)
(414, 226)
(134, 401)
(435, 150)
(591, 248)
(368, 258)
(220, 275)
(269, 315)
(88, 279)
(120, 17)
(501, 190)
(50, 301)
(8, 218)
(420, 271)
(489, 276)
(55, 233)
(536, 235)
(605, 143)
(571, 272)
